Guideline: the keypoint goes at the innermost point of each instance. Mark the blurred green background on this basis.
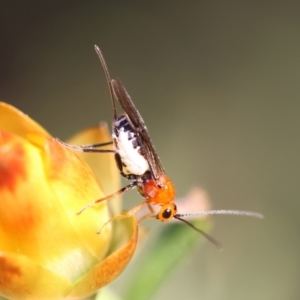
(218, 86)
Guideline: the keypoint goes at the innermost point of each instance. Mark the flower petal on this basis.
(75, 185)
(103, 164)
(13, 120)
(46, 248)
(38, 214)
(20, 275)
(107, 270)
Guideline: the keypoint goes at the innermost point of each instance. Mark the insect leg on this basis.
(149, 215)
(88, 148)
(116, 194)
(128, 214)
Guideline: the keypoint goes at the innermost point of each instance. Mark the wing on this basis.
(138, 122)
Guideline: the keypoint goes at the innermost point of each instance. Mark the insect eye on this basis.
(167, 213)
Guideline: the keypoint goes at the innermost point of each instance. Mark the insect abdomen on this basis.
(128, 149)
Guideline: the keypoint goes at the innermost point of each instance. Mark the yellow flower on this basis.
(47, 251)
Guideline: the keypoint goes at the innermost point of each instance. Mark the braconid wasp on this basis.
(137, 160)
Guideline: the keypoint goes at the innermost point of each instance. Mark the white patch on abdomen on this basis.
(134, 162)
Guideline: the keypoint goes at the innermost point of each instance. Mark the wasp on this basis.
(138, 161)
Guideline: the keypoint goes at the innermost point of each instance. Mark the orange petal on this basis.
(75, 185)
(38, 207)
(107, 270)
(103, 164)
(46, 248)
(21, 278)
(13, 120)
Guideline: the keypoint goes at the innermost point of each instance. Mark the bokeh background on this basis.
(218, 85)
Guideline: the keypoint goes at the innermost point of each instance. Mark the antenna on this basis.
(210, 238)
(221, 212)
(181, 217)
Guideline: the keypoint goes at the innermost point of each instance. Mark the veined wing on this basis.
(140, 126)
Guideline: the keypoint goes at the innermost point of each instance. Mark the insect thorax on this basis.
(129, 156)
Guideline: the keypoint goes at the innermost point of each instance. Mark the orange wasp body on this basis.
(138, 161)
